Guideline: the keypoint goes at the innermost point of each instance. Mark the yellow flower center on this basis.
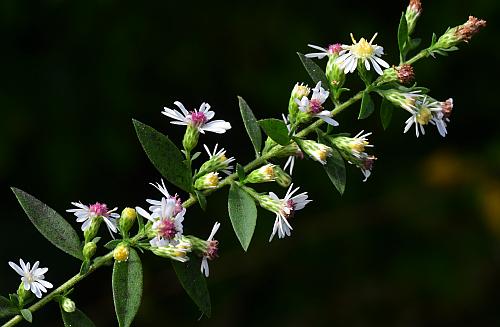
(269, 171)
(121, 253)
(424, 116)
(222, 158)
(358, 146)
(322, 154)
(212, 179)
(363, 49)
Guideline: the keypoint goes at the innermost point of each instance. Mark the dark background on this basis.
(416, 245)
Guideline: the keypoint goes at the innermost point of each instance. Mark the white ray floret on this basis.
(211, 252)
(198, 118)
(85, 214)
(33, 278)
(221, 154)
(314, 106)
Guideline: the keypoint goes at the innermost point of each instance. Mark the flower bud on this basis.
(190, 139)
(91, 232)
(89, 250)
(268, 145)
(127, 219)
(413, 11)
(299, 91)
(262, 175)
(178, 252)
(457, 34)
(207, 181)
(315, 150)
(282, 178)
(121, 252)
(334, 73)
(270, 204)
(68, 305)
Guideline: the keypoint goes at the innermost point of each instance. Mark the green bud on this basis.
(262, 175)
(178, 252)
(89, 250)
(299, 91)
(282, 178)
(127, 219)
(334, 74)
(22, 294)
(412, 14)
(91, 232)
(268, 203)
(207, 181)
(68, 305)
(190, 138)
(268, 145)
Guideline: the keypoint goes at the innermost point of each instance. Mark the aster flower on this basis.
(314, 106)
(316, 151)
(156, 204)
(211, 250)
(284, 209)
(332, 49)
(428, 110)
(364, 52)
(217, 161)
(176, 252)
(353, 150)
(32, 277)
(98, 210)
(167, 226)
(198, 118)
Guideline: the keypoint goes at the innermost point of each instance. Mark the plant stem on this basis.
(422, 54)
(101, 261)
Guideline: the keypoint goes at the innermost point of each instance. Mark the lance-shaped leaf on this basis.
(202, 199)
(243, 214)
(76, 319)
(193, 282)
(50, 224)
(386, 110)
(276, 130)
(27, 315)
(251, 125)
(164, 155)
(335, 169)
(7, 308)
(127, 288)
(317, 74)
(367, 106)
(402, 35)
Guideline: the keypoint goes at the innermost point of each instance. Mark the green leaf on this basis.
(164, 155)
(402, 35)
(27, 315)
(367, 106)
(14, 299)
(276, 130)
(85, 267)
(241, 172)
(202, 199)
(243, 214)
(386, 110)
(112, 244)
(76, 319)
(335, 169)
(194, 283)
(50, 224)
(7, 308)
(251, 125)
(127, 288)
(317, 74)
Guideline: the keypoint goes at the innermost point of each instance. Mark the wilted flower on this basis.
(364, 52)
(210, 253)
(284, 209)
(32, 278)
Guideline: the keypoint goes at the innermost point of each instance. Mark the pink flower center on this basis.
(315, 106)
(99, 209)
(166, 229)
(212, 249)
(290, 205)
(178, 205)
(198, 118)
(334, 48)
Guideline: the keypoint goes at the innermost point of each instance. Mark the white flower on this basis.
(32, 278)
(156, 204)
(427, 110)
(168, 227)
(197, 118)
(363, 51)
(220, 159)
(85, 214)
(332, 48)
(211, 251)
(314, 106)
(287, 207)
(290, 162)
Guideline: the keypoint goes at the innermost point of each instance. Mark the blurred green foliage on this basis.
(415, 245)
